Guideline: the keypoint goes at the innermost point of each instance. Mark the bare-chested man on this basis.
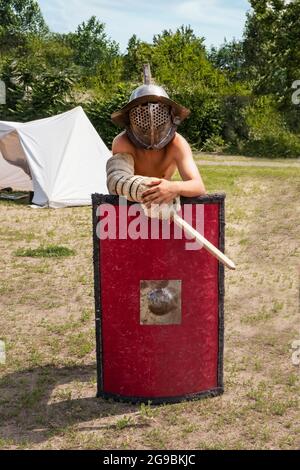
(150, 120)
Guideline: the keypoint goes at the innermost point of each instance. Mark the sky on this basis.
(213, 19)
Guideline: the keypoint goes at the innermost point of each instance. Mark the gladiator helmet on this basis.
(150, 117)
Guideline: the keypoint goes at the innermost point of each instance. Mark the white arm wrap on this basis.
(122, 181)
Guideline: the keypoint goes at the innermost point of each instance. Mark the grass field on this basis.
(48, 384)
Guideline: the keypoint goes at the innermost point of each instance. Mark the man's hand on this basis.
(160, 192)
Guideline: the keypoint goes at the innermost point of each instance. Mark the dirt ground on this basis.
(48, 384)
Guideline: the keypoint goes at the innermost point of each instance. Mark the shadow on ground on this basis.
(29, 416)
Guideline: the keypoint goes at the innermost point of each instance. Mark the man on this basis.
(153, 149)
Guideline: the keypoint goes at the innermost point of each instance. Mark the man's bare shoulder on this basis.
(121, 144)
(179, 145)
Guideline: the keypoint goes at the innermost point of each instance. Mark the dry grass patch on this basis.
(47, 387)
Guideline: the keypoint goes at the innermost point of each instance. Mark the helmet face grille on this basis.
(140, 116)
(151, 125)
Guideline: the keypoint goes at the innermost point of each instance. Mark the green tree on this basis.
(272, 54)
(180, 61)
(91, 45)
(263, 56)
(288, 51)
(18, 18)
(229, 58)
(35, 92)
(138, 53)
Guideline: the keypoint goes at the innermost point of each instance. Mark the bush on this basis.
(235, 126)
(214, 144)
(268, 131)
(32, 95)
(99, 112)
(206, 118)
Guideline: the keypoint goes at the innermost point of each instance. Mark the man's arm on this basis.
(120, 175)
(192, 184)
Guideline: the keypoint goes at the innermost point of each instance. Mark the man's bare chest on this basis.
(156, 165)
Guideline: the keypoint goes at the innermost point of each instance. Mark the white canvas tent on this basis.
(61, 158)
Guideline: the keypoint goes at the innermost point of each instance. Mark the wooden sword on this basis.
(206, 244)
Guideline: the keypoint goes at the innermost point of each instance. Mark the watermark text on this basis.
(125, 221)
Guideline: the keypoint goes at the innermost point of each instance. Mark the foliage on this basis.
(93, 50)
(239, 94)
(215, 143)
(99, 112)
(229, 58)
(22, 16)
(272, 55)
(269, 134)
(179, 58)
(138, 53)
(206, 116)
(33, 95)
(18, 18)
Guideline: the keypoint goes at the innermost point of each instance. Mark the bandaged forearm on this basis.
(122, 181)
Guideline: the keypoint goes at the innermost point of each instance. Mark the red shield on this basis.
(159, 306)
